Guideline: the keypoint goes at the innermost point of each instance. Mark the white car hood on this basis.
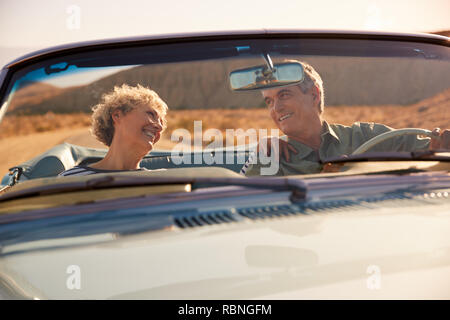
(393, 252)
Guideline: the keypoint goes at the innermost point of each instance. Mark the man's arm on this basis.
(366, 131)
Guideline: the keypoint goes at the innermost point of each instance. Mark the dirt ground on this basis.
(23, 138)
(15, 150)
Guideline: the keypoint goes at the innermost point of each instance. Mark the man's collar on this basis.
(304, 150)
(327, 129)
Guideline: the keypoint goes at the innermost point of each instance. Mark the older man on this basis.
(297, 111)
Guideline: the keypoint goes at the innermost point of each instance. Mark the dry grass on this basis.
(222, 119)
(24, 137)
(13, 126)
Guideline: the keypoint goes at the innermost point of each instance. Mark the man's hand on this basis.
(285, 147)
(440, 139)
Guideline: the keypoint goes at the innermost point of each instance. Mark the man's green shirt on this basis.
(337, 140)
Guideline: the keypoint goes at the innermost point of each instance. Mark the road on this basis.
(15, 150)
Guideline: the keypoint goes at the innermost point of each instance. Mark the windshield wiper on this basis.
(297, 186)
(425, 155)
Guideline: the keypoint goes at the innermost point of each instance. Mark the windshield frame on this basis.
(59, 52)
(44, 58)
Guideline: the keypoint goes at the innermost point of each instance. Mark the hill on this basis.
(442, 33)
(204, 85)
(34, 93)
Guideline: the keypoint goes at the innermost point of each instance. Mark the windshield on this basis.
(346, 93)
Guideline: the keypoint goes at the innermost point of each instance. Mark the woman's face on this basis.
(139, 128)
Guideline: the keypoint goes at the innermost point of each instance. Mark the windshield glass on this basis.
(351, 91)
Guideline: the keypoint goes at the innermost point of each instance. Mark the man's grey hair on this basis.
(312, 78)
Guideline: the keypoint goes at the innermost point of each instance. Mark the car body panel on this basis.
(296, 257)
(374, 230)
(193, 36)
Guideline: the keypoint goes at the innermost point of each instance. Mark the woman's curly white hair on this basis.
(124, 98)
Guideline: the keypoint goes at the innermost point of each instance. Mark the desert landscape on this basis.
(24, 137)
(42, 115)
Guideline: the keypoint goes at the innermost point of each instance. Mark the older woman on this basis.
(129, 120)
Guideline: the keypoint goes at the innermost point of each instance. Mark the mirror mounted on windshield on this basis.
(262, 77)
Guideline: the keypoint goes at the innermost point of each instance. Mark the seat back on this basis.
(66, 156)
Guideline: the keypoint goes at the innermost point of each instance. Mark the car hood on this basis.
(381, 248)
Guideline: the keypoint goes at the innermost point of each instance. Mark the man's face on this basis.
(292, 110)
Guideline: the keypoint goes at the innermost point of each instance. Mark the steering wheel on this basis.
(388, 135)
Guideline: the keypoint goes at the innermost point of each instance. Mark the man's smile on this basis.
(285, 116)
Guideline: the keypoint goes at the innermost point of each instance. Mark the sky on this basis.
(30, 25)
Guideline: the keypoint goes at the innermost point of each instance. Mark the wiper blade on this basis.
(297, 186)
(426, 155)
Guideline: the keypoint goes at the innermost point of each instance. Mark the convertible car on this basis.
(372, 222)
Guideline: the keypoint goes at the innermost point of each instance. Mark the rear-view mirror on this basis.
(262, 77)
